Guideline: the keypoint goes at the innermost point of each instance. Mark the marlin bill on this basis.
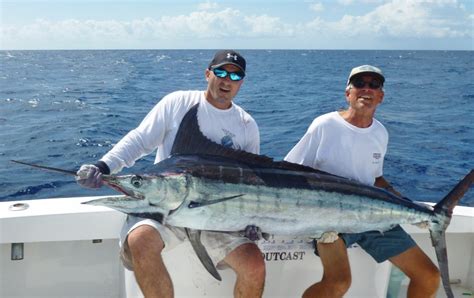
(205, 186)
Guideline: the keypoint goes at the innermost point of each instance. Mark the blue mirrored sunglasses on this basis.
(222, 73)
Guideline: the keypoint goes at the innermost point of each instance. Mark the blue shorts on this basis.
(381, 246)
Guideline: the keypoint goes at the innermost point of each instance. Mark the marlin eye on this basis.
(136, 181)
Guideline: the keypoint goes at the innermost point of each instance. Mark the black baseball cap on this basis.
(224, 57)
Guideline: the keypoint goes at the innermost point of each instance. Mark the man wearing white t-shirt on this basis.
(222, 121)
(351, 143)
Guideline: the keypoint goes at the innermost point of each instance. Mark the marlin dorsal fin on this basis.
(190, 140)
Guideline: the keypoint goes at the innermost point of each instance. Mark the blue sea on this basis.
(66, 108)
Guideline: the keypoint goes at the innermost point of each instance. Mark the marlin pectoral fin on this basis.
(110, 201)
(194, 204)
(131, 206)
(194, 237)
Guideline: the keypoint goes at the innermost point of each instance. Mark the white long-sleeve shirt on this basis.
(232, 127)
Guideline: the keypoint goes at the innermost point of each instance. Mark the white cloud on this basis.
(345, 2)
(266, 26)
(208, 5)
(317, 7)
(420, 19)
(201, 24)
(394, 19)
(373, 1)
(401, 19)
(438, 2)
(227, 23)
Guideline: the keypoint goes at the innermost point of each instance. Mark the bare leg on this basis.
(247, 262)
(337, 272)
(145, 245)
(424, 275)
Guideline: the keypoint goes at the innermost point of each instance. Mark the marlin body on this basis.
(212, 193)
(205, 186)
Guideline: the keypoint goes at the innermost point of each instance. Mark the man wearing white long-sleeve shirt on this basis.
(222, 121)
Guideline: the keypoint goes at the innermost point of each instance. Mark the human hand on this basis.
(254, 233)
(89, 176)
(328, 237)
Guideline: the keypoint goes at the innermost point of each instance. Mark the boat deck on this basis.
(71, 250)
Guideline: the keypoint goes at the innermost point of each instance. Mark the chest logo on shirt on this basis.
(227, 140)
(376, 158)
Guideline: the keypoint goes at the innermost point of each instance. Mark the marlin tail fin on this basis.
(443, 212)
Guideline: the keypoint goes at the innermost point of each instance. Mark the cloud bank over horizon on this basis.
(399, 24)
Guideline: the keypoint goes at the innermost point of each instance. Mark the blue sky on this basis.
(244, 24)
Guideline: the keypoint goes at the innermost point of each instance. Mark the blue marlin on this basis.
(206, 186)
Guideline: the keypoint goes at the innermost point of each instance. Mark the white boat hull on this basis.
(71, 250)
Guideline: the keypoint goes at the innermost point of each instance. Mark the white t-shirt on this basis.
(333, 145)
(232, 127)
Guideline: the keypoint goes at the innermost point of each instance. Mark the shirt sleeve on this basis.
(142, 140)
(305, 151)
(253, 139)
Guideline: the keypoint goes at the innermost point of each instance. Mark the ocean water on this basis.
(66, 108)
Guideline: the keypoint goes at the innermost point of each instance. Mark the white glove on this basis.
(89, 176)
(328, 237)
